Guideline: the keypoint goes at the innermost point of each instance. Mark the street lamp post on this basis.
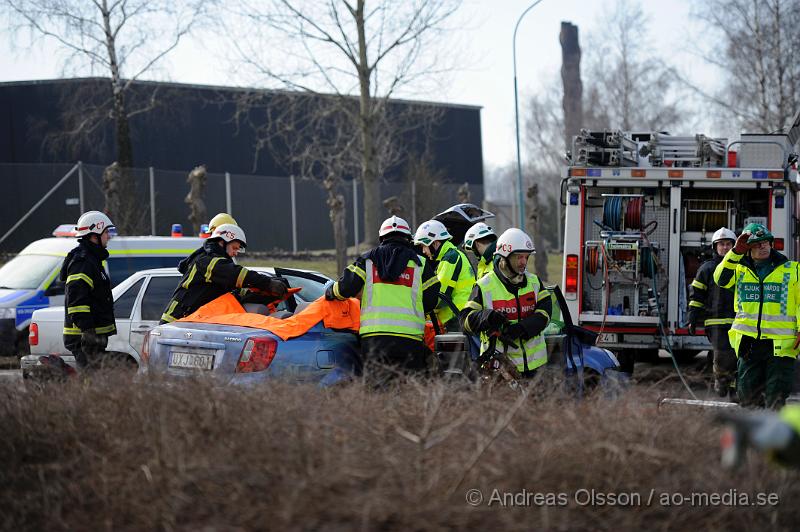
(516, 115)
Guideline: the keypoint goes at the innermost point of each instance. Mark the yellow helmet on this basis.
(220, 219)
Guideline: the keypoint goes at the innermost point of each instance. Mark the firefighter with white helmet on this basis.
(210, 272)
(481, 239)
(219, 219)
(452, 268)
(88, 303)
(511, 302)
(397, 288)
(712, 306)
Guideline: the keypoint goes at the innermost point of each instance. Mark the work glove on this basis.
(329, 292)
(278, 286)
(491, 320)
(741, 246)
(92, 343)
(692, 327)
(514, 331)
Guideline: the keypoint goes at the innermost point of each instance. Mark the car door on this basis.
(147, 313)
(123, 309)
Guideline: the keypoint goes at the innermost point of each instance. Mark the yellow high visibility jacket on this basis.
(455, 273)
(765, 309)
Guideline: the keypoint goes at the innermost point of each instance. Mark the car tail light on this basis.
(145, 351)
(778, 244)
(257, 354)
(571, 282)
(33, 334)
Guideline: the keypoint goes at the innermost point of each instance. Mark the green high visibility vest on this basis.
(484, 267)
(764, 309)
(532, 353)
(393, 308)
(457, 278)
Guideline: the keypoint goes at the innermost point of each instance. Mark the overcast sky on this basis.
(487, 77)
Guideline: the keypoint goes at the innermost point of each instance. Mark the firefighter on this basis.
(210, 272)
(222, 218)
(764, 333)
(398, 288)
(452, 268)
(481, 239)
(219, 219)
(511, 302)
(88, 303)
(712, 306)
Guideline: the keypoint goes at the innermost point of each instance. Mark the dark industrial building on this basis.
(190, 125)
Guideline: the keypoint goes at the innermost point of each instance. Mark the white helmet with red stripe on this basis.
(394, 224)
(514, 241)
(92, 222)
(229, 233)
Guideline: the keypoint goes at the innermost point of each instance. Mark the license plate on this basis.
(607, 338)
(191, 361)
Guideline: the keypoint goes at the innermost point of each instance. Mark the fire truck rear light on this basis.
(571, 283)
(778, 244)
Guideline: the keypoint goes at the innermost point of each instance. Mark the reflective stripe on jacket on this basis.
(765, 309)
(393, 307)
(457, 278)
(532, 353)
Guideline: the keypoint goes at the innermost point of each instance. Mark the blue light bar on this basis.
(593, 172)
(759, 174)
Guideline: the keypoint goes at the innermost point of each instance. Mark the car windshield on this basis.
(27, 272)
(311, 289)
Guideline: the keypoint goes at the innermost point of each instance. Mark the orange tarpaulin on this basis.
(226, 310)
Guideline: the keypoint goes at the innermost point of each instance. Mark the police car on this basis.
(31, 281)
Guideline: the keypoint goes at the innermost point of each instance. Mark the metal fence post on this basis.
(152, 202)
(414, 203)
(355, 215)
(80, 186)
(294, 215)
(228, 205)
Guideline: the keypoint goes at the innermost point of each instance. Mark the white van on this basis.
(31, 280)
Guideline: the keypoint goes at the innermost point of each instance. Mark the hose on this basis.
(634, 213)
(592, 260)
(667, 338)
(612, 212)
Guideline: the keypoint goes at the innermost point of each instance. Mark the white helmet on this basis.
(92, 222)
(394, 224)
(723, 233)
(514, 240)
(431, 231)
(476, 232)
(229, 233)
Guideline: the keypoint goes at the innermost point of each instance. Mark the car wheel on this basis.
(591, 380)
(122, 361)
(21, 346)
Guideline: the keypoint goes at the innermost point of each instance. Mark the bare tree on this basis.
(753, 43)
(121, 39)
(629, 86)
(195, 199)
(315, 137)
(626, 87)
(367, 49)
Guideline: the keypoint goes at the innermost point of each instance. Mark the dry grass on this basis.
(110, 454)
